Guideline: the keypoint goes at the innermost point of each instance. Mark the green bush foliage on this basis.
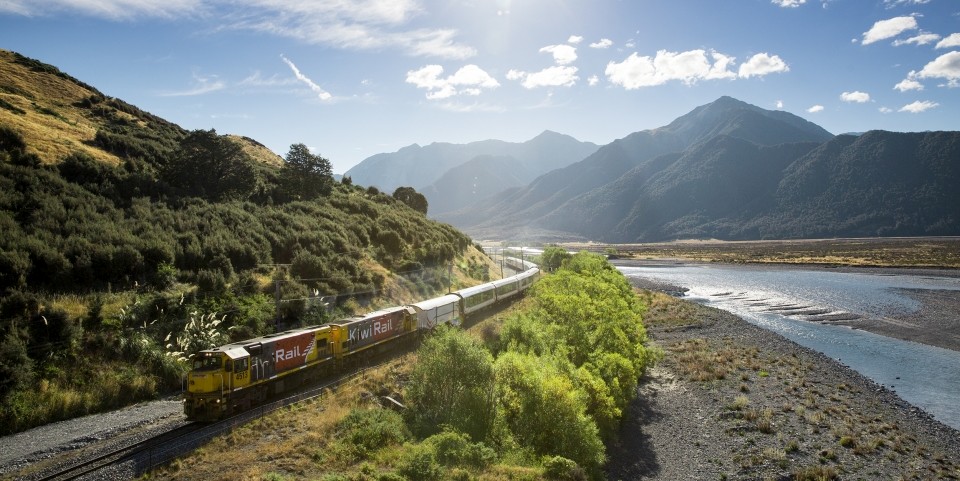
(563, 372)
(453, 385)
(553, 257)
(366, 430)
(187, 223)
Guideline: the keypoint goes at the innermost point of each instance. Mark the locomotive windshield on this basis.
(206, 363)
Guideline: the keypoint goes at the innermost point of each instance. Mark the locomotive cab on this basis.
(215, 375)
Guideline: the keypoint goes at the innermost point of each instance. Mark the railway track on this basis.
(121, 454)
(132, 459)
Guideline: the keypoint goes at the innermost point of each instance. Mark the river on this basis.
(784, 300)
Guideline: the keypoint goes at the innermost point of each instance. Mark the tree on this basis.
(453, 384)
(545, 411)
(306, 176)
(413, 199)
(211, 166)
(553, 257)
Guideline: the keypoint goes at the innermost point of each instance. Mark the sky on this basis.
(353, 78)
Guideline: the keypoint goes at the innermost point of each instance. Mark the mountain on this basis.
(875, 184)
(419, 167)
(546, 195)
(477, 179)
(731, 170)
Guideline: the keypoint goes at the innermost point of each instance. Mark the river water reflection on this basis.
(927, 377)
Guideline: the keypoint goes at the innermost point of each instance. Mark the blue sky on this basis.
(352, 78)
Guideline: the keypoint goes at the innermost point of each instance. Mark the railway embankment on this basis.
(731, 400)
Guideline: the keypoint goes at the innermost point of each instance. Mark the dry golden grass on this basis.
(257, 151)
(873, 252)
(665, 310)
(292, 441)
(52, 126)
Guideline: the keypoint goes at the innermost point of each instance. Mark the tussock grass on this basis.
(845, 252)
(815, 473)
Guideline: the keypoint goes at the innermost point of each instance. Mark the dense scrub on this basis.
(115, 263)
(545, 394)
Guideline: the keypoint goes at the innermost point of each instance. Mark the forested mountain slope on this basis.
(730, 170)
(546, 197)
(125, 237)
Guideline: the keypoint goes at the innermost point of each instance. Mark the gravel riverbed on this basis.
(731, 400)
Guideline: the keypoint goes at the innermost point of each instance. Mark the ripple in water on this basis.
(783, 300)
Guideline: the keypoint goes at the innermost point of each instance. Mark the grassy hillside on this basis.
(128, 239)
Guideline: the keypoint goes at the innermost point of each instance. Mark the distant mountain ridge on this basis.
(420, 167)
(731, 170)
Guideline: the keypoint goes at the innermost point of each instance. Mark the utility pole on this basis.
(276, 318)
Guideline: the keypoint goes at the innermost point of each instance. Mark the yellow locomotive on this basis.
(236, 376)
(232, 378)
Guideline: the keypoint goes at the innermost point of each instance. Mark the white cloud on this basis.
(688, 67)
(789, 3)
(889, 28)
(922, 39)
(779, 104)
(896, 3)
(562, 54)
(469, 80)
(815, 109)
(602, 43)
(855, 96)
(909, 83)
(946, 66)
(574, 39)
(919, 106)
(201, 85)
(951, 41)
(353, 24)
(109, 9)
(885, 110)
(763, 64)
(321, 93)
(556, 76)
(593, 80)
(256, 80)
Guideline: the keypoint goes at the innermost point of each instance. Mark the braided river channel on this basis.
(793, 301)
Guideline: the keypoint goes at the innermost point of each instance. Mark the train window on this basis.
(241, 365)
(206, 363)
(321, 344)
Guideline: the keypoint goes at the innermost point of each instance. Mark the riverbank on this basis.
(936, 322)
(731, 400)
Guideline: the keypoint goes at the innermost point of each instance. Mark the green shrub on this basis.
(367, 430)
(454, 448)
(453, 384)
(563, 469)
(419, 462)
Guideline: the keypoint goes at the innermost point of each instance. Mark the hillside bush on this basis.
(185, 223)
(452, 385)
(366, 430)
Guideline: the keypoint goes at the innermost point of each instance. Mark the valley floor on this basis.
(734, 401)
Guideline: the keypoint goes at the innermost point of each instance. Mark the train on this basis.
(235, 377)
